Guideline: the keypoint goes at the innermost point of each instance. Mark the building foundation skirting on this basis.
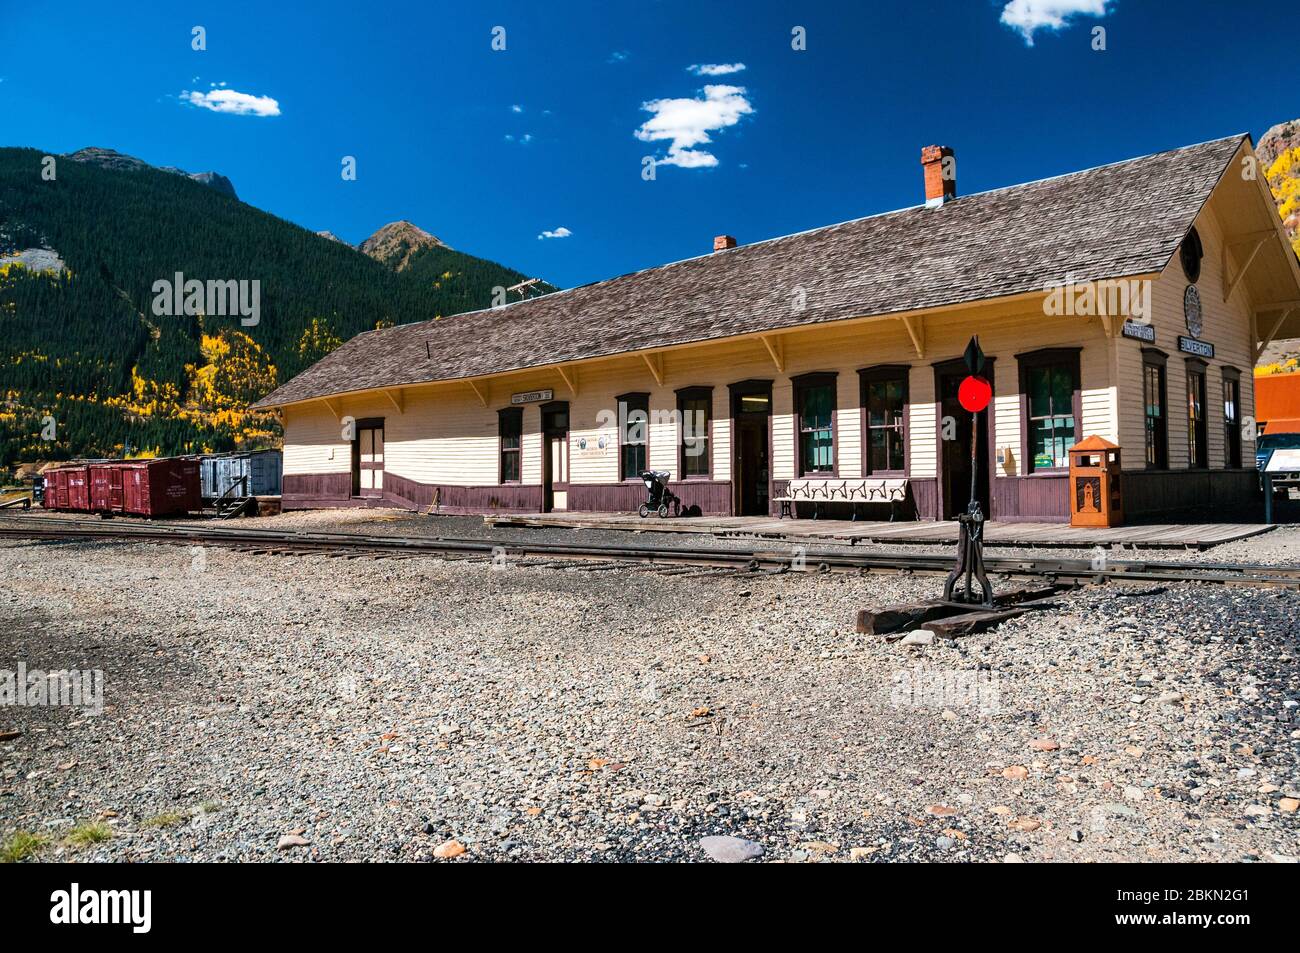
(1152, 492)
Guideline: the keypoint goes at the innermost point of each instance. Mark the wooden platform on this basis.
(1058, 535)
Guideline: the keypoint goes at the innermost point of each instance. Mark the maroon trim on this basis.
(1198, 367)
(872, 375)
(549, 484)
(504, 414)
(699, 392)
(958, 366)
(735, 392)
(627, 399)
(1153, 357)
(1231, 380)
(799, 384)
(1045, 356)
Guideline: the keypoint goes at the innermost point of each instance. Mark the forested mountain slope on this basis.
(81, 341)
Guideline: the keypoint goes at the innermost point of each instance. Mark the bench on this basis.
(835, 490)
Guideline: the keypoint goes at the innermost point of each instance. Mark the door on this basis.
(368, 459)
(115, 498)
(751, 410)
(955, 454)
(555, 456)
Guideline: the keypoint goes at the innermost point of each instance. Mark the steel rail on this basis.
(768, 560)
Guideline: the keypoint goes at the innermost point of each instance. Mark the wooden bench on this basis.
(835, 490)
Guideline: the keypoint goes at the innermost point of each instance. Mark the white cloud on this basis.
(1027, 16)
(516, 108)
(560, 232)
(617, 56)
(232, 102)
(522, 140)
(715, 69)
(686, 123)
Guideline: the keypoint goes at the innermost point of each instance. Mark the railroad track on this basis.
(668, 559)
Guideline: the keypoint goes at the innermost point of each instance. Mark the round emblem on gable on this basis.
(1190, 254)
(1192, 310)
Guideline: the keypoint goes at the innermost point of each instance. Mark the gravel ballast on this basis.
(297, 708)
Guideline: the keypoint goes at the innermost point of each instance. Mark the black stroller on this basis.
(659, 497)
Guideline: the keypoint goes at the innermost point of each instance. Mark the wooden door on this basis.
(368, 460)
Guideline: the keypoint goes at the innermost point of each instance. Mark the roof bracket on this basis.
(1258, 349)
(333, 410)
(482, 394)
(397, 401)
(656, 364)
(775, 349)
(916, 331)
(570, 378)
(1230, 284)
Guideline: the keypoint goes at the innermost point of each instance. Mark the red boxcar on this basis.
(78, 488)
(106, 488)
(160, 487)
(56, 490)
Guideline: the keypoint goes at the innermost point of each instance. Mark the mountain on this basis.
(92, 342)
(112, 159)
(1278, 153)
(397, 243)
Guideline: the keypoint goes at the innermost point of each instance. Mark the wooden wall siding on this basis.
(444, 436)
(1149, 493)
(316, 486)
(511, 498)
(713, 497)
(1032, 499)
(1227, 327)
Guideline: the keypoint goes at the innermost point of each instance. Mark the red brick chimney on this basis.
(723, 242)
(940, 175)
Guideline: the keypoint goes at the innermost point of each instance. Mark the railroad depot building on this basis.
(1128, 302)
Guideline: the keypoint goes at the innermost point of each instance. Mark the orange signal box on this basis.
(1096, 497)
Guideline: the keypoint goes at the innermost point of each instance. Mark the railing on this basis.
(236, 504)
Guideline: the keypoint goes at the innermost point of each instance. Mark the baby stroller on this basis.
(658, 495)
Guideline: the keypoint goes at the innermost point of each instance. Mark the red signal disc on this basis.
(975, 393)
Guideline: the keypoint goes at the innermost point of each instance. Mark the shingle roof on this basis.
(1108, 222)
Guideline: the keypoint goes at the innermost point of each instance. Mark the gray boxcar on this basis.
(219, 471)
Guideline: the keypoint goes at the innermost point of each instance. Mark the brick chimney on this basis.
(940, 175)
(723, 242)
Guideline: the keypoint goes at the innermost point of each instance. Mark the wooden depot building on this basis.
(1127, 302)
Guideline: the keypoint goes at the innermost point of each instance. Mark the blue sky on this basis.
(489, 149)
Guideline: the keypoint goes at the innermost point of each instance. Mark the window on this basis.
(884, 409)
(1231, 418)
(633, 434)
(694, 408)
(1049, 387)
(510, 430)
(1197, 451)
(814, 401)
(1153, 400)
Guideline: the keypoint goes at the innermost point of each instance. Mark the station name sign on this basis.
(532, 396)
(1139, 331)
(1192, 346)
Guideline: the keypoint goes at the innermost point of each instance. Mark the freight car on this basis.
(221, 472)
(163, 487)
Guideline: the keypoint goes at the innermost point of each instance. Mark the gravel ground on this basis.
(315, 708)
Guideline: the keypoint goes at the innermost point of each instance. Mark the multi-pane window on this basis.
(694, 407)
(1157, 423)
(1197, 452)
(1049, 387)
(510, 428)
(1231, 419)
(884, 399)
(634, 434)
(815, 405)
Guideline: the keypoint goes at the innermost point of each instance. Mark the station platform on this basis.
(1028, 535)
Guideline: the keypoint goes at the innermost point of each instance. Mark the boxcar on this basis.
(56, 490)
(78, 487)
(106, 488)
(220, 471)
(160, 487)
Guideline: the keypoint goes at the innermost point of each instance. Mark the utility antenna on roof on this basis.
(524, 286)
